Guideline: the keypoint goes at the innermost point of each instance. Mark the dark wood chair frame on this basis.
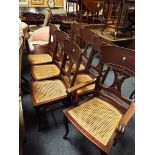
(72, 53)
(122, 62)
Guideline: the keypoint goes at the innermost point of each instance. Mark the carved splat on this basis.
(120, 74)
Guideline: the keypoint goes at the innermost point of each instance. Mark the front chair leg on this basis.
(39, 119)
(66, 121)
(103, 153)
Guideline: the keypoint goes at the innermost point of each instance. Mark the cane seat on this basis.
(35, 59)
(81, 78)
(103, 117)
(47, 91)
(97, 117)
(40, 72)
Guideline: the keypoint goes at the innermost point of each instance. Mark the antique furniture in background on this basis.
(120, 17)
(102, 118)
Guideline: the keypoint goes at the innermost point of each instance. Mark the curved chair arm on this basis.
(79, 86)
(126, 118)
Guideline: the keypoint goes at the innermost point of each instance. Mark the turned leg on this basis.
(66, 127)
(103, 153)
(39, 118)
(55, 122)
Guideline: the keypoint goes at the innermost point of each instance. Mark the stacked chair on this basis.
(101, 116)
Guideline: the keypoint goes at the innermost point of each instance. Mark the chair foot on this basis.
(103, 153)
(66, 127)
(39, 119)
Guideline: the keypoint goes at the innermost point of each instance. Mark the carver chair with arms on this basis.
(102, 118)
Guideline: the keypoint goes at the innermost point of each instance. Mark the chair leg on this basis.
(66, 121)
(103, 153)
(39, 119)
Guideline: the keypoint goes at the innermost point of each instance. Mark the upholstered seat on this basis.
(47, 91)
(81, 78)
(97, 117)
(40, 72)
(35, 59)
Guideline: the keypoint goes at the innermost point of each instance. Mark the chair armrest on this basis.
(81, 85)
(126, 118)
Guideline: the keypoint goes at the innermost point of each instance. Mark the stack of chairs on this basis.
(100, 117)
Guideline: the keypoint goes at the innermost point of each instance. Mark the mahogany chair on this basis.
(48, 92)
(52, 70)
(75, 32)
(102, 118)
(44, 37)
(58, 54)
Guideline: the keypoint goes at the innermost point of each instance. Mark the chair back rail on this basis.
(41, 49)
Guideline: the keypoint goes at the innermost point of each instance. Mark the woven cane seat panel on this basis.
(35, 59)
(80, 79)
(40, 72)
(98, 118)
(84, 78)
(46, 91)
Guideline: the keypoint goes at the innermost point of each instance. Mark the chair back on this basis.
(86, 41)
(59, 37)
(121, 62)
(74, 32)
(72, 58)
(93, 69)
(41, 49)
